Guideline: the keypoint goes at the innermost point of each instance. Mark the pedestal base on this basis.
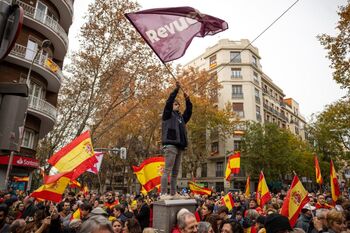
(164, 213)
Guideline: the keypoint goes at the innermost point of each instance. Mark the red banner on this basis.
(20, 161)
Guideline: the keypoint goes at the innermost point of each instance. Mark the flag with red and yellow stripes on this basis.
(53, 191)
(150, 172)
(76, 215)
(233, 165)
(73, 154)
(227, 200)
(21, 179)
(296, 198)
(247, 188)
(197, 189)
(334, 183)
(262, 194)
(319, 179)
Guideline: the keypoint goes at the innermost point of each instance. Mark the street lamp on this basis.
(45, 44)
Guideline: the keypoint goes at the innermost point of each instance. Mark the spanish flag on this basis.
(51, 65)
(197, 189)
(86, 190)
(319, 179)
(74, 184)
(77, 156)
(21, 179)
(53, 191)
(334, 183)
(247, 188)
(149, 172)
(228, 201)
(76, 215)
(295, 200)
(262, 194)
(233, 165)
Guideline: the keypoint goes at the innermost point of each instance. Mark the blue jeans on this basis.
(172, 156)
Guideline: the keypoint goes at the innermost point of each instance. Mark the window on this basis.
(28, 139)
(32, 46)
(237, 145)
(40, 11)
(256, 77)
(235, 57)
(212, 61)
(204, 170)
(236, 73)
(238, 109)
(219, 169)
(215, 147)
(255, 61)
(237, 92)
(258, 115)
(257, 96)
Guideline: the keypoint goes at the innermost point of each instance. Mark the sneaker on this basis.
(164, 197)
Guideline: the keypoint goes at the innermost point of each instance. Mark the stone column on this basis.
(164, 213)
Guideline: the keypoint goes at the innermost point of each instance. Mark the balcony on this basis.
(237, 95)
(19, 56)
(47, 26)
(66, 10)
(45, 111)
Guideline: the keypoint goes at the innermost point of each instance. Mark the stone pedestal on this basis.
(164, 213)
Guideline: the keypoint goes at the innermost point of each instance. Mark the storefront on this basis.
(22, 167)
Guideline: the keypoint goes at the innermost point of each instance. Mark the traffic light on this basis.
(122, 152)
(11, 20)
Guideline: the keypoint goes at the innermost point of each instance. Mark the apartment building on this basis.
(41, 48)
(254, 97)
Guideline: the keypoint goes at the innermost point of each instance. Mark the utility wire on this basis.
(267, 28)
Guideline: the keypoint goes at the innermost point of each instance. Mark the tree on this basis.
(276, 151)
(339, 49)
(329, 132)
(102, 76)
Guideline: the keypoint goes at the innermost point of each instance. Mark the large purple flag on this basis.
(169, 31)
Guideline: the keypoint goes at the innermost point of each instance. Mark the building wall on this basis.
(15, 70)
(216, 60)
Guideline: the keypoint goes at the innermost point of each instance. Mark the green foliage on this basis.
(330, 132)
(339, 49)
(275, 151)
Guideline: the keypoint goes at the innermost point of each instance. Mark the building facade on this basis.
(254, 97)
(44, 20)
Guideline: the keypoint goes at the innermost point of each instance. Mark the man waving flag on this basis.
(169, 31)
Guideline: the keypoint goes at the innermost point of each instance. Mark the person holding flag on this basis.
(174, 140)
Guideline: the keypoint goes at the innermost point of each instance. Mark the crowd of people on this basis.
(114, 212)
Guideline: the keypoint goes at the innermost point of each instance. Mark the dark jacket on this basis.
(303, 222)
(143, 216)
(174, 123)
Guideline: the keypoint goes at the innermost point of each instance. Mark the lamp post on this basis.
(45, 44)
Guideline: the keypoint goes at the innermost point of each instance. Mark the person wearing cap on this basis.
(305, 218)
(276, 223)
(174, 140)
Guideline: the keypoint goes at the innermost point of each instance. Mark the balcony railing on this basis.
(42, 106)
(21, 51)
(237, 96)
(45, 19)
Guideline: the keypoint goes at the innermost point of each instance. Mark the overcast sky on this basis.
(290, 53)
